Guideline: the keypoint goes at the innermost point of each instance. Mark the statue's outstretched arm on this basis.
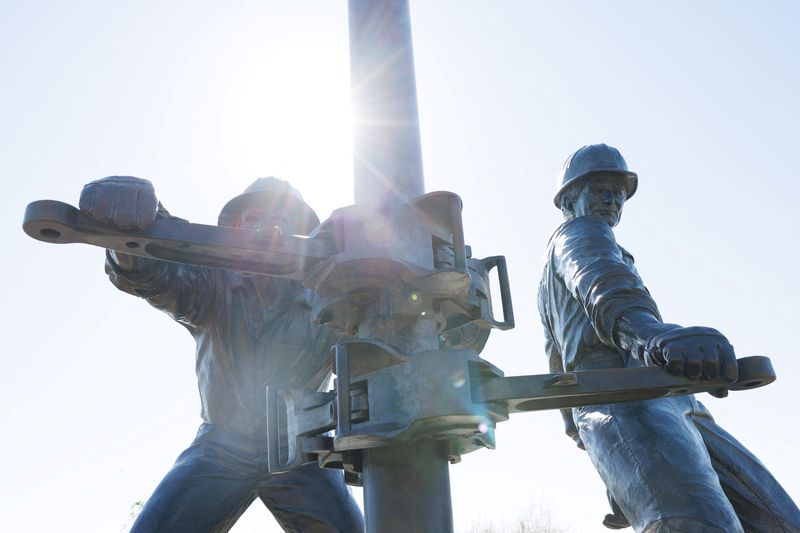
(128, 203)
(625, 316)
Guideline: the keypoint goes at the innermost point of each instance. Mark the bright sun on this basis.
(288, 115)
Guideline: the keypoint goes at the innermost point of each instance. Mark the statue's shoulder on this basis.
(581, 227)
(572, 230)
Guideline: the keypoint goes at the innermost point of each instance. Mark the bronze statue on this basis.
(667, 465)
(251, 331)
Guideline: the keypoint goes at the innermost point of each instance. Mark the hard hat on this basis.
(591, 159)
(275, 195)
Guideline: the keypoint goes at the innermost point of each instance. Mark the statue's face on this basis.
(602, 196)
(255, 217)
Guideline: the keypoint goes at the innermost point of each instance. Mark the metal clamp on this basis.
(499, 261)
(292, 415)
(342, 362)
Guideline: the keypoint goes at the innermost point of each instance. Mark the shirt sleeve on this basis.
(591, 264)
(185, 292)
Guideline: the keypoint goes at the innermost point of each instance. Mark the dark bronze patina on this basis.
(409, 310)
(390, 277)
(251, 332)
(668, 466)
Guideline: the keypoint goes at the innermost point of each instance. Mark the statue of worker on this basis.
(251, 331)
(665, 462)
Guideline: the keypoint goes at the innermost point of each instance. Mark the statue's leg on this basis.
(312, 500)
(758, 499)
(616, 519)
(654, 462)
(208, 488)
(681, 525)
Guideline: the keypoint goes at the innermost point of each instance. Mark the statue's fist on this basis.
(124, 201)
(695, 352)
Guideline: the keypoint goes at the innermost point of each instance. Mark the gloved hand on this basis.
(124, 201)
(694, 352)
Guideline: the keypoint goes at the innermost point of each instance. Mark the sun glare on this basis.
(289, 115)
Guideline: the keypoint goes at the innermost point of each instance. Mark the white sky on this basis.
(97, 393)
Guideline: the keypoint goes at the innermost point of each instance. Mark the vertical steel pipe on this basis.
(406, 486)
(387, 155)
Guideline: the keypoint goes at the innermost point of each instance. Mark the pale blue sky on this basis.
(97, 393)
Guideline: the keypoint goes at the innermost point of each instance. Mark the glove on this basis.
(124, 201)
(694, 352)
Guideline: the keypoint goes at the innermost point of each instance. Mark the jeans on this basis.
(671, 468)
(219, 475)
